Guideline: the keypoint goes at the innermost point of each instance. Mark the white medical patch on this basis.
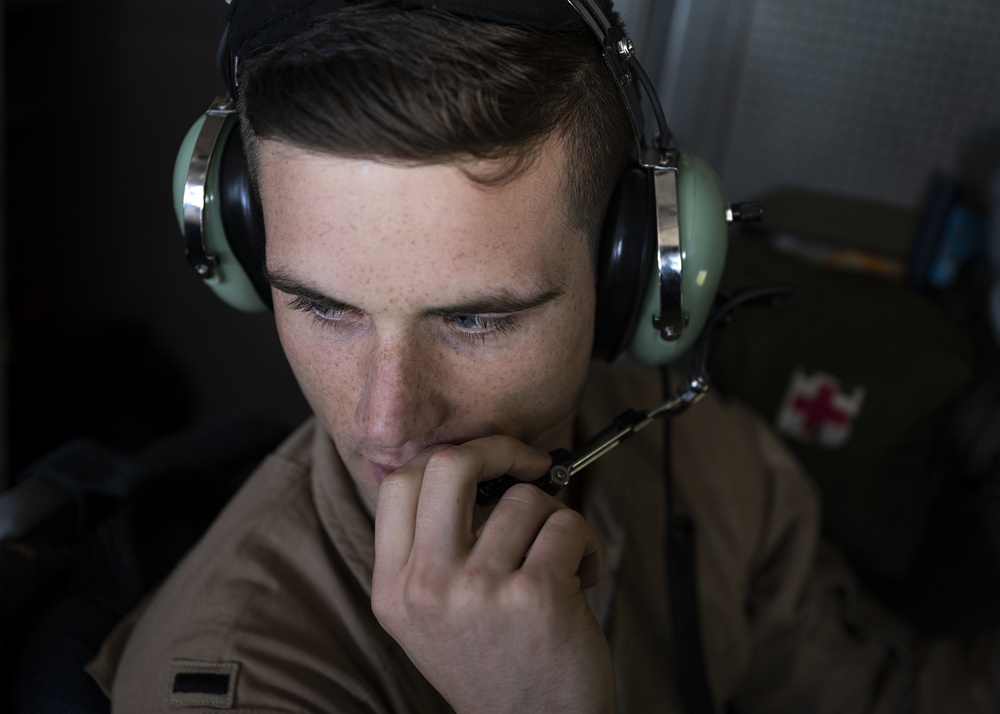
(817, 410)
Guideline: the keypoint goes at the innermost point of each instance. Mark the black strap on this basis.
(682, 576)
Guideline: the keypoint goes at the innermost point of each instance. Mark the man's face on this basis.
(417, 307)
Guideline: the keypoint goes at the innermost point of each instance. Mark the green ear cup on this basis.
(229, 281)
(702, 223)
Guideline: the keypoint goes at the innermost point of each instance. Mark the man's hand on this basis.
(497, 621)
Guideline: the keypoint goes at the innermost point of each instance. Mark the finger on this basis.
(447, 500)
(513, 526)
(396, 513)
(567, 544)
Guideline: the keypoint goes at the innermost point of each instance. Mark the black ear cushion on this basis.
(242, 218)
(625, 261)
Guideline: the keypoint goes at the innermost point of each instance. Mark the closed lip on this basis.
(380, 470)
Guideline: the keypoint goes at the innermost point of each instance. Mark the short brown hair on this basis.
(381, 80)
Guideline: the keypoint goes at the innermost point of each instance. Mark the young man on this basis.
(433, 187)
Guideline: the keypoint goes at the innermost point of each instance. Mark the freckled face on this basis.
(417, 307)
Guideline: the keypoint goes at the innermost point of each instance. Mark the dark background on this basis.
(111, 335)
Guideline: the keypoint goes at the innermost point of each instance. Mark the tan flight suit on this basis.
(271, 613)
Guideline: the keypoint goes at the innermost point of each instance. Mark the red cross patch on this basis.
(817, 410)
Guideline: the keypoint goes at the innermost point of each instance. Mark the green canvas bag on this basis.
(855, 373)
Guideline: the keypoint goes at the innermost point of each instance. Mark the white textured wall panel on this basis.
(856, 97)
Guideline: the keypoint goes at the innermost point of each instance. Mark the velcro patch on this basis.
(203, 684)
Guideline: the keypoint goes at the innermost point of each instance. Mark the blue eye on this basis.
(483, 325)
(324, 314)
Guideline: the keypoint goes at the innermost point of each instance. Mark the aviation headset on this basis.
(664, 238)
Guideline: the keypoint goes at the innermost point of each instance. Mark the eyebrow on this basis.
(503, 302)
(283, 282)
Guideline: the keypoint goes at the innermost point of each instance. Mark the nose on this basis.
(401, 400)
